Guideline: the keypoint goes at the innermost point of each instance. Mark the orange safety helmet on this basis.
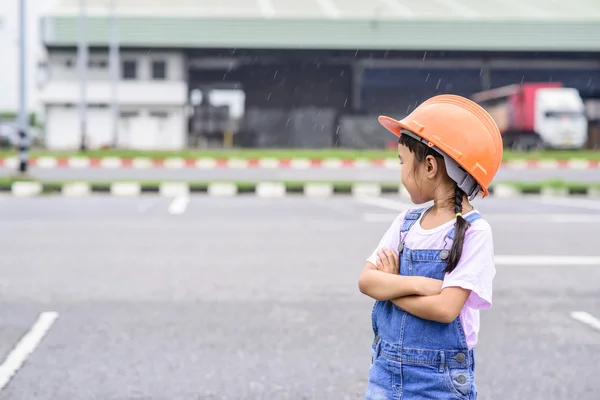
(462, 132)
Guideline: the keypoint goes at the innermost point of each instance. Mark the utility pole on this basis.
(23, 120)
(82, 57)
(114, 72)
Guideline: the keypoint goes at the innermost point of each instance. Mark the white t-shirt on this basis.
(475, 270)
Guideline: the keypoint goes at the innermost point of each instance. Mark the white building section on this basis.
(152, 97)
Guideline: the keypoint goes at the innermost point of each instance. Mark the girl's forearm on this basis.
(444, 307)
(383, 286)
(425, 307)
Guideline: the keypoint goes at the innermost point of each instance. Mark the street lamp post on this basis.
(23, 123)
(114, 72)
(82, 53)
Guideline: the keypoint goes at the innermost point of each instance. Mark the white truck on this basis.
(532, 116)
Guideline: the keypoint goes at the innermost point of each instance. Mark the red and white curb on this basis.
(266, 163)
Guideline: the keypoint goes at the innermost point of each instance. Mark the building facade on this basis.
(151, 94)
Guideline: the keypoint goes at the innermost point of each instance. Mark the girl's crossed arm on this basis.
(469, 283)
(420, 296)
(443, 307)
(382, 282)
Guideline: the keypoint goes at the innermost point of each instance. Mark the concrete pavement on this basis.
(247, 298)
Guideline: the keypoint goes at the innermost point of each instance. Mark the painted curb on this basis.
(318, 190)
(141, 163)
(26, 189)
(80, 162)
(111, 162)
(366, 189)
(547, 191)
(267, 189)
(267, 162)
(76, 189)
(174, 189)
(270, 189)
(505, 191)
(222, 189)
(121, 189)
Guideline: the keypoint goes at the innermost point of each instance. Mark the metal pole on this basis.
(23, 120)
(486, 82)
(114, 72)
(83, 64)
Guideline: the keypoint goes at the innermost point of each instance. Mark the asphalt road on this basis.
(266, 174)
(249, 298)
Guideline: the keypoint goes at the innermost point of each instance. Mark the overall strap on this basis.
(470, 219)
(411, 217)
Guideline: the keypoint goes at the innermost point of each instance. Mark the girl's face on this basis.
(414, 176)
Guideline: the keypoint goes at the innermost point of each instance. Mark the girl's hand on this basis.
(387, 261)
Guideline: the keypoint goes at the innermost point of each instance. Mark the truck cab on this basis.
(560, 118)
(532, 116)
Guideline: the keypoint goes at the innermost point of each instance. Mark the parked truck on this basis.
(532, 116)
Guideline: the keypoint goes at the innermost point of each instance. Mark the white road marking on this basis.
(569, 202)
(546, 260)
(26, 346)
(178, 205)
(498, 218)
(586, 318)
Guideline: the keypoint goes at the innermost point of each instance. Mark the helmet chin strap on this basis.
(463, 180)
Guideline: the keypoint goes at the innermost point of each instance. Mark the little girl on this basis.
(433, 269)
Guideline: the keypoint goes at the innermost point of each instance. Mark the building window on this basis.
(159, 114)
(159, 70)
(129, 114)
(98, 64)
(129, 70)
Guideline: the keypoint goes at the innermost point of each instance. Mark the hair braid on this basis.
(461, 227)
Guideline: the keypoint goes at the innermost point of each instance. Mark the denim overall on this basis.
(413, 358)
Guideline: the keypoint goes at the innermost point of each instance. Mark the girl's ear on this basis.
(431, 165)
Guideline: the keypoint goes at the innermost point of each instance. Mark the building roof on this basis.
(336, 24)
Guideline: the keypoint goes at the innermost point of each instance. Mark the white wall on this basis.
(154, 128)
(151, 128)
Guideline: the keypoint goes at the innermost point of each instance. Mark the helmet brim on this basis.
(457, 174)
(392, 125)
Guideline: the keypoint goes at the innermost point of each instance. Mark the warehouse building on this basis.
(312, 73)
